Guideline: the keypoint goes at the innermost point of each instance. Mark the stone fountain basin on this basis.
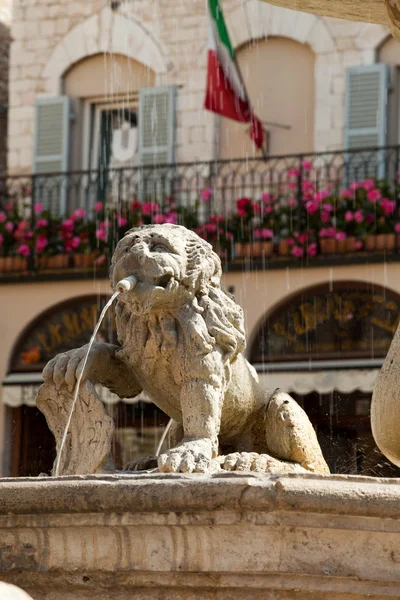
(247, 536)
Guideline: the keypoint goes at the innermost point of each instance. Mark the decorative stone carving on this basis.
(385, 406)
(88, 443)
(385, 12)
(181, 341)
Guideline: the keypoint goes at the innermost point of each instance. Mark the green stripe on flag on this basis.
(218, 17)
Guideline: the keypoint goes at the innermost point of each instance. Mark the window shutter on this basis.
(157, 125)
(366, 118)
(51, 149)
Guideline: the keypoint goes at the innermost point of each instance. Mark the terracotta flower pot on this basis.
(385, 241)
(340, 246)
(350, 243)
(59, 261)
(327, 245)
(262, 248)
(243, 250)
(370, 242)
(85, 261)
(283, 248)
(12, 264)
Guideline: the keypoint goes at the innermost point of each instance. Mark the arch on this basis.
(103, 32)
(65, 325)
(352, 306)
(255, 20)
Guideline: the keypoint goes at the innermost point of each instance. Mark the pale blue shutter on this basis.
(366, 119)
(156, 140)
(51, 150)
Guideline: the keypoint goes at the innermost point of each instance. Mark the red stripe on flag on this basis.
(221, 99)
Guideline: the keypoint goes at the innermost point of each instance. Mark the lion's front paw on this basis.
(260, 463)
(192, 456)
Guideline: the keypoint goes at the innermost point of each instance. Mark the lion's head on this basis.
(175, 268)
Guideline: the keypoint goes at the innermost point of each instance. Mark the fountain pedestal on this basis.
(203, 537)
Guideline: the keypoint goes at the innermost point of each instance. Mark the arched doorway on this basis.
(325, 346)
(138, 423)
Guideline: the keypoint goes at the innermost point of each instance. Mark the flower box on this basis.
(84, 260)
(263, 248)
(59, 261)
(12, 264)
(385, 241)
(327, 245)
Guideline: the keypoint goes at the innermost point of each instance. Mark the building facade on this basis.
(101, 95)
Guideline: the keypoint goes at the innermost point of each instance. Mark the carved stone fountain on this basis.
(240, 505)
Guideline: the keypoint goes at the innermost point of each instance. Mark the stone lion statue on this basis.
(182, 339)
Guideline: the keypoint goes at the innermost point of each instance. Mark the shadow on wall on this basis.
(4, 55)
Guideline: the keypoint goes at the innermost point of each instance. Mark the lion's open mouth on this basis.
(164, 280)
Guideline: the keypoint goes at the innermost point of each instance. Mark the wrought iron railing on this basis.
(196, 191)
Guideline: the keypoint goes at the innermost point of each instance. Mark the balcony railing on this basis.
(292, 204)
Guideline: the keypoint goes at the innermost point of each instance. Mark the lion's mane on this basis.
(222, 317)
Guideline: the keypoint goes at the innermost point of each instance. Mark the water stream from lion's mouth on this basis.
(78, 383)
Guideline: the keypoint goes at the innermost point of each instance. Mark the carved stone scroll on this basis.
(88, 443)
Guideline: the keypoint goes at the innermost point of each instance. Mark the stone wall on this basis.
(4, 56)
(170, 37)
(177, 537)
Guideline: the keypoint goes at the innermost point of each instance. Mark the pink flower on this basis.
(42, 223)
(374, 195)
(158, 219)
(101, 259)
(171, 217)
(307, 185)
(289, 241)
(67, 224)
(370, 218)
(101, 235)
(292, 202)
(206, 194)
(302, 237)
(341, 236)
(3, 217)
(268, 209)
(355, 185)
(328, 207)
(41, 244)
(325, 216)
(149, 207)
(23, 225)
(312, 207)
(368, 184)
(75, 242)
(1, 239)
(122, 221)
(293, 173)
(388, 206)
(267, 198)
(322, 195)
(292, 185)
(358, 216)
(98, 207)
(9, 206)
(103, 225)
(210, 227)
(312, 250)
(397, 228)
(307, 166)
(24, 250)
(38, 208)
(347, 194)
(297, 251)
(9, 227)
(241, 212)
(348, 216)
(267, 234)
(357, 245)
(257, 234)
(329, 232)
(79, 213)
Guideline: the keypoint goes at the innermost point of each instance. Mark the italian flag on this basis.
(225, 93)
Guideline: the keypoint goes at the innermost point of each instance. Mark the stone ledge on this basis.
(184, 537)
(326, 494)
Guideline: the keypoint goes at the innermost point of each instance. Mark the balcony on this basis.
(300, 210)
